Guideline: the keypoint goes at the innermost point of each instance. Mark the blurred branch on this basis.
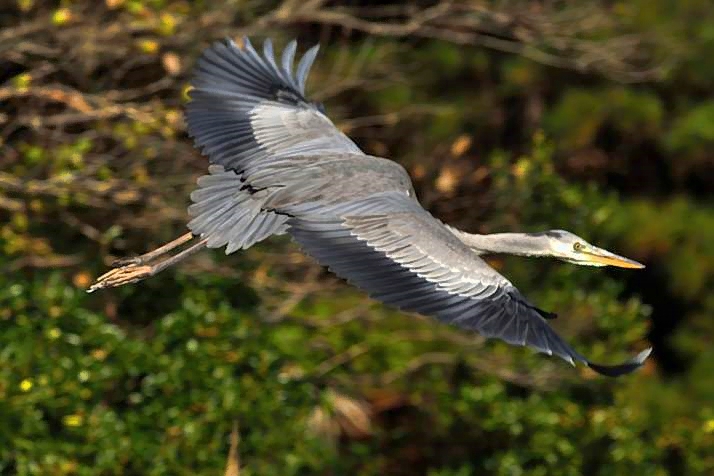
(341, 359)
(99, 193)
(558, 34)
(89, 108)
(388, 119)
(50, 261)
(21, 30)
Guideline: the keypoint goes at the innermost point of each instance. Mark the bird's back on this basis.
(330, 179)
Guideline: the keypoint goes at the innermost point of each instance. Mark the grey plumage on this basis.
(228, 212)
(280, 165)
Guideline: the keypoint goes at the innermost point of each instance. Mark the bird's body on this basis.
(279, 165)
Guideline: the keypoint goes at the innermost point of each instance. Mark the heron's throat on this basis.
(519, 244)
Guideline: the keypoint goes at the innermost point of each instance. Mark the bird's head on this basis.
(571, 248)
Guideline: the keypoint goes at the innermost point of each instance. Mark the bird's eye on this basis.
(577, 246)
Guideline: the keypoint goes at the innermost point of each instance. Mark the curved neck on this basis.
(519, 244)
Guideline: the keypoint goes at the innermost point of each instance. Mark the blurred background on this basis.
(511, 115)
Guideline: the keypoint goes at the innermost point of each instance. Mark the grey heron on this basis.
(279, 165)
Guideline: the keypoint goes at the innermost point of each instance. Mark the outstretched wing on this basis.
(392, 248)
(247, 111)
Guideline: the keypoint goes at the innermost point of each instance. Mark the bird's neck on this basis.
(519, 244)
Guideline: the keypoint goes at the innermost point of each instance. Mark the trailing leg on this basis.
(161, 250)
(136, 270)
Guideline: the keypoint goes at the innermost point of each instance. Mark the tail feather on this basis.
(227, 212)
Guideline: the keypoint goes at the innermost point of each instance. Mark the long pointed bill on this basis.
(605, 258)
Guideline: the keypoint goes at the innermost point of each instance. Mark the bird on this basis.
(278, 165)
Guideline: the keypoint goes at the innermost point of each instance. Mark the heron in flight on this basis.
(279, 165)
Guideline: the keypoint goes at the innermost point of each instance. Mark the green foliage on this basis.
(692, 135)
(156, 393)
(581, 114)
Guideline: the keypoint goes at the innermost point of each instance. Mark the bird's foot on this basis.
(136, 268)
(127, 274)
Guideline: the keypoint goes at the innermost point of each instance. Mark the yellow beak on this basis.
(605, 258)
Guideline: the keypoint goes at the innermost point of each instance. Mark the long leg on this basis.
(146, 257)
(133, 272)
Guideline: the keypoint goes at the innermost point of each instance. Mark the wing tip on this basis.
(622, 369)
(264, 61)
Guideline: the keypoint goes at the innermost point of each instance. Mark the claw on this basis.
(127, 274)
